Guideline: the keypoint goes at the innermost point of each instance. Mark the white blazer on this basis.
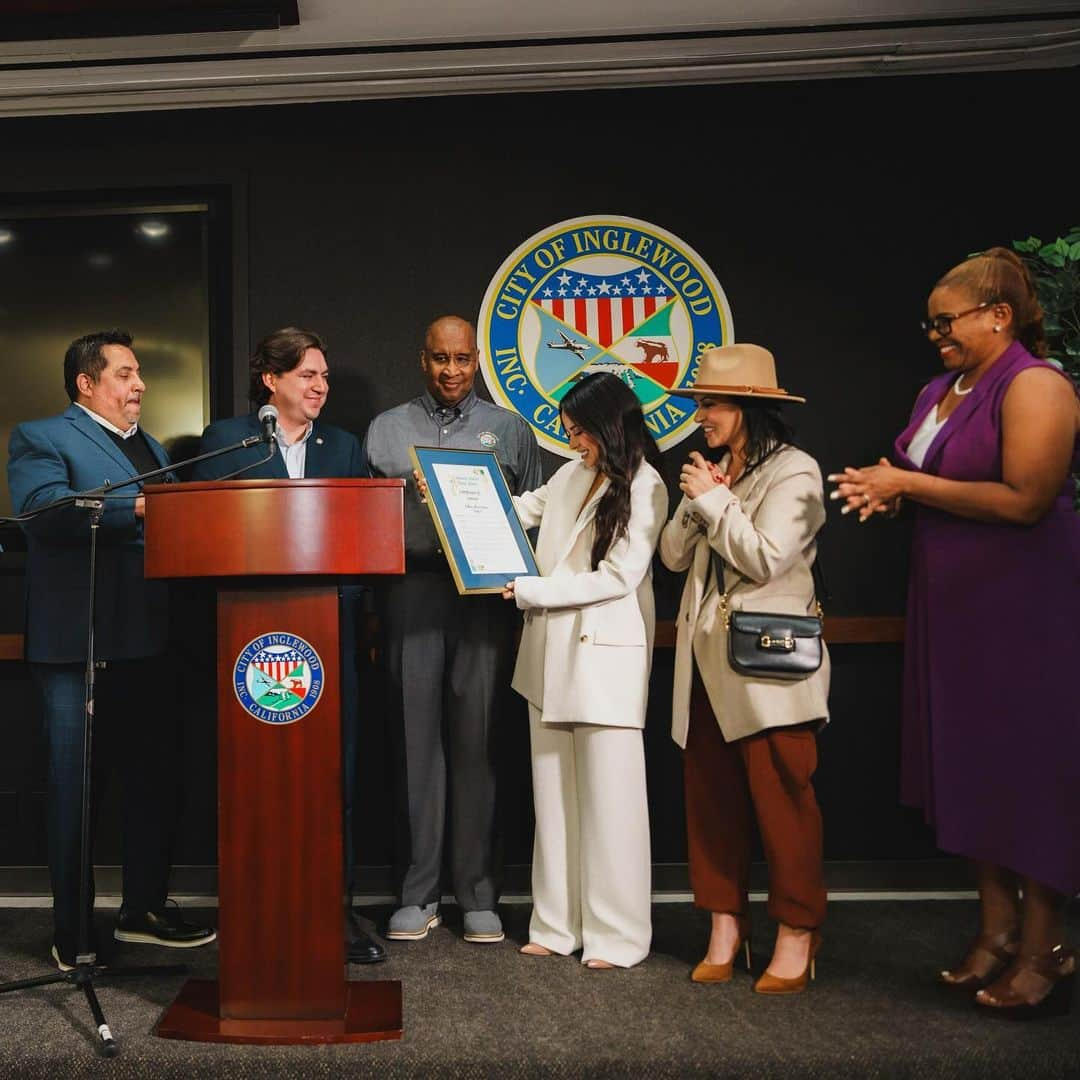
(764, 528)
(586, 646)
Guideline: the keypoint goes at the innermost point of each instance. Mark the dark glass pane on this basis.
(69, 272)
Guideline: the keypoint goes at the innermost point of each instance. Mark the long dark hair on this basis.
(603, 406)
(767, 430)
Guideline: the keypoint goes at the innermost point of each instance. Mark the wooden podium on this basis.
(277, 548)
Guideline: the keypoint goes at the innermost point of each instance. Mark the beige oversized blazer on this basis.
(586, 644)
(764, 529)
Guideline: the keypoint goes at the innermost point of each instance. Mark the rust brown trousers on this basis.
(728, 785)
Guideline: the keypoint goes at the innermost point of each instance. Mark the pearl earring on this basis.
(997, 329)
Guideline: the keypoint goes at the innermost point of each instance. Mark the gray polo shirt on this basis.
(472, 424)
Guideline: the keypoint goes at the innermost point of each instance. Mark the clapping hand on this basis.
(699, 476)
(875, 489)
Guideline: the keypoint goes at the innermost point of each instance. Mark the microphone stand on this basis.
(87, 969)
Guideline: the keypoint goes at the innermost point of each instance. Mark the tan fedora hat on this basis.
(738, 371)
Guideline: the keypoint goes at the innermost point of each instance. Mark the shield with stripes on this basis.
(600, 294)
(279, 678)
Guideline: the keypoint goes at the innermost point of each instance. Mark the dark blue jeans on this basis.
(135, 732)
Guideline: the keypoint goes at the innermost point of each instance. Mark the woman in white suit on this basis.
(745, 530)
(583, 665)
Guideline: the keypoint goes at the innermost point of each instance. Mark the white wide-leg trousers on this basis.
(591, 870)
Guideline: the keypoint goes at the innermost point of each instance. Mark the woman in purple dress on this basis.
(991, 747)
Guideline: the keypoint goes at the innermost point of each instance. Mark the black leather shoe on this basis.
(166, 927)
(361, 948)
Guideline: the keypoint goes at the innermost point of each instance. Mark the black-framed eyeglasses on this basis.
(942, 324)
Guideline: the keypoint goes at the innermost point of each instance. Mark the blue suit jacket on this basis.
(331, 452)
(49, 459)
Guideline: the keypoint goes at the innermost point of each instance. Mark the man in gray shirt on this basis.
(447, 656)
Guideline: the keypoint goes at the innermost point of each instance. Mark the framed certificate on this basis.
(474, 515)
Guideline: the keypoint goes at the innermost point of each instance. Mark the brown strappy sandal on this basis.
(988, 956)
(1048, 976)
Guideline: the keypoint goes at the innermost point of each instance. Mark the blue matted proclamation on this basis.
(475, 518)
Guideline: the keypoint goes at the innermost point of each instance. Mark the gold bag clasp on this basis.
(785, 643)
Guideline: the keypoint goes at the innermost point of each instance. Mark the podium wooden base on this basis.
(372, 1012)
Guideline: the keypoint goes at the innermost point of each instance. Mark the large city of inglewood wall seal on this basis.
(601, 293)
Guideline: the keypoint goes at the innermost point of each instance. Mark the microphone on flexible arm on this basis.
(268, 417)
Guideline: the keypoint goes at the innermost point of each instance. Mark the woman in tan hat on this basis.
(745, 530)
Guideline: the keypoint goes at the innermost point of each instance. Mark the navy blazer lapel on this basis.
(158, 451)
(315, 455)
(161, 455)
(276, 464)
(97, 435)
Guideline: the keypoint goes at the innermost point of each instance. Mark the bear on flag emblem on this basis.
(278, 678)
(601, 294)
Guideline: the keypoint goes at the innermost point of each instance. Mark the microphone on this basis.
(268, 415)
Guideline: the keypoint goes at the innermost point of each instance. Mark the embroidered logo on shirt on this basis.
(278, 678)
(488, 440)
(601, 294)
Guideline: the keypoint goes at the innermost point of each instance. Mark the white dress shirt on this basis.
(294, 454)
(98, 418)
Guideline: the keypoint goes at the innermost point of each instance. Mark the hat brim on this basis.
(779, 396)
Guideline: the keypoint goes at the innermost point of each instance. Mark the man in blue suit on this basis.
(97, 440)
(289, 371)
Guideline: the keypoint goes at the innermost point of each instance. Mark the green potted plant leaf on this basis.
(1056, 269)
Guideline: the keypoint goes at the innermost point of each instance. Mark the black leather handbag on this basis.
(771, 645)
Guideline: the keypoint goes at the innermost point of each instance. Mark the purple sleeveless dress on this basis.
(991, 734)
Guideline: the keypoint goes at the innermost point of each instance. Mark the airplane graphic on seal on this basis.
(576, 347)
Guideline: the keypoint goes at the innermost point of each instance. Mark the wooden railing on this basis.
(839, 630)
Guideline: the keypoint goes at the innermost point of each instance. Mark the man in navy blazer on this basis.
(289, 371)
(97, 440)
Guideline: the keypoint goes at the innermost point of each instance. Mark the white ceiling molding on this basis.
(336, 55)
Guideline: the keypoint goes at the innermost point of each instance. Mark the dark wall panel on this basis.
(826, 210)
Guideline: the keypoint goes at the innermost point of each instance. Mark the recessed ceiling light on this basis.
(153, 230)
(7, 236)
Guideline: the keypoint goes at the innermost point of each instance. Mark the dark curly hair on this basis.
(603, 406)
(1000, 276)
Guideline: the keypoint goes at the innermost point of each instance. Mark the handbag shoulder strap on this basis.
(817, 572)
(821, 588)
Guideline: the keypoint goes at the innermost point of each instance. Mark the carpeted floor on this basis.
(473, 1010)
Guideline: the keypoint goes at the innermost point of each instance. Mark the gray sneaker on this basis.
(484, 927)
(412, 923)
